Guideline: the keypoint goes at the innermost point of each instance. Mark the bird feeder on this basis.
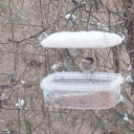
(78, 90)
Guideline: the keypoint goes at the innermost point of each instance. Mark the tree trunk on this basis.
(130, 48)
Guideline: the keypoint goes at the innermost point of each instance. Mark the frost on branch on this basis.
(71, 17)
(20, 103)
(57, 66)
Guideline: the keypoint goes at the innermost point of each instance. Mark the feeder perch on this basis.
(77, 90)
(82, 39)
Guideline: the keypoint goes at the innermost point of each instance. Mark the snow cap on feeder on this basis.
(82, 39)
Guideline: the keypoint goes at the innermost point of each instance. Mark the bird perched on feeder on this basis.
(79, 2)
(87, 64)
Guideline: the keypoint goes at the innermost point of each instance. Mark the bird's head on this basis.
(90, 59)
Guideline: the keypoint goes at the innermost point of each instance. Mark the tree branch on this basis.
(30, 37)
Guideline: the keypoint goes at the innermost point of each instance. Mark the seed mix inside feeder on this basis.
(77, 90)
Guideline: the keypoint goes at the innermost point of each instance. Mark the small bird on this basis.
(11, 78)
(87, 64)
(80, 2)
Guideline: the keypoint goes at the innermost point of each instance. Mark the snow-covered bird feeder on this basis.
(77, 90)
(82, 39)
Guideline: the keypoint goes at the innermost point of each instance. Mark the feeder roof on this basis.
(82, 39)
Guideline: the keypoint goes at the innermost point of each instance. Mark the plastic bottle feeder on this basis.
(79, 90)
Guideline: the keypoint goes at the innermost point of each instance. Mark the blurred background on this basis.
(24, 62)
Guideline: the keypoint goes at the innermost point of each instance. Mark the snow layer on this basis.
(82, 39)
